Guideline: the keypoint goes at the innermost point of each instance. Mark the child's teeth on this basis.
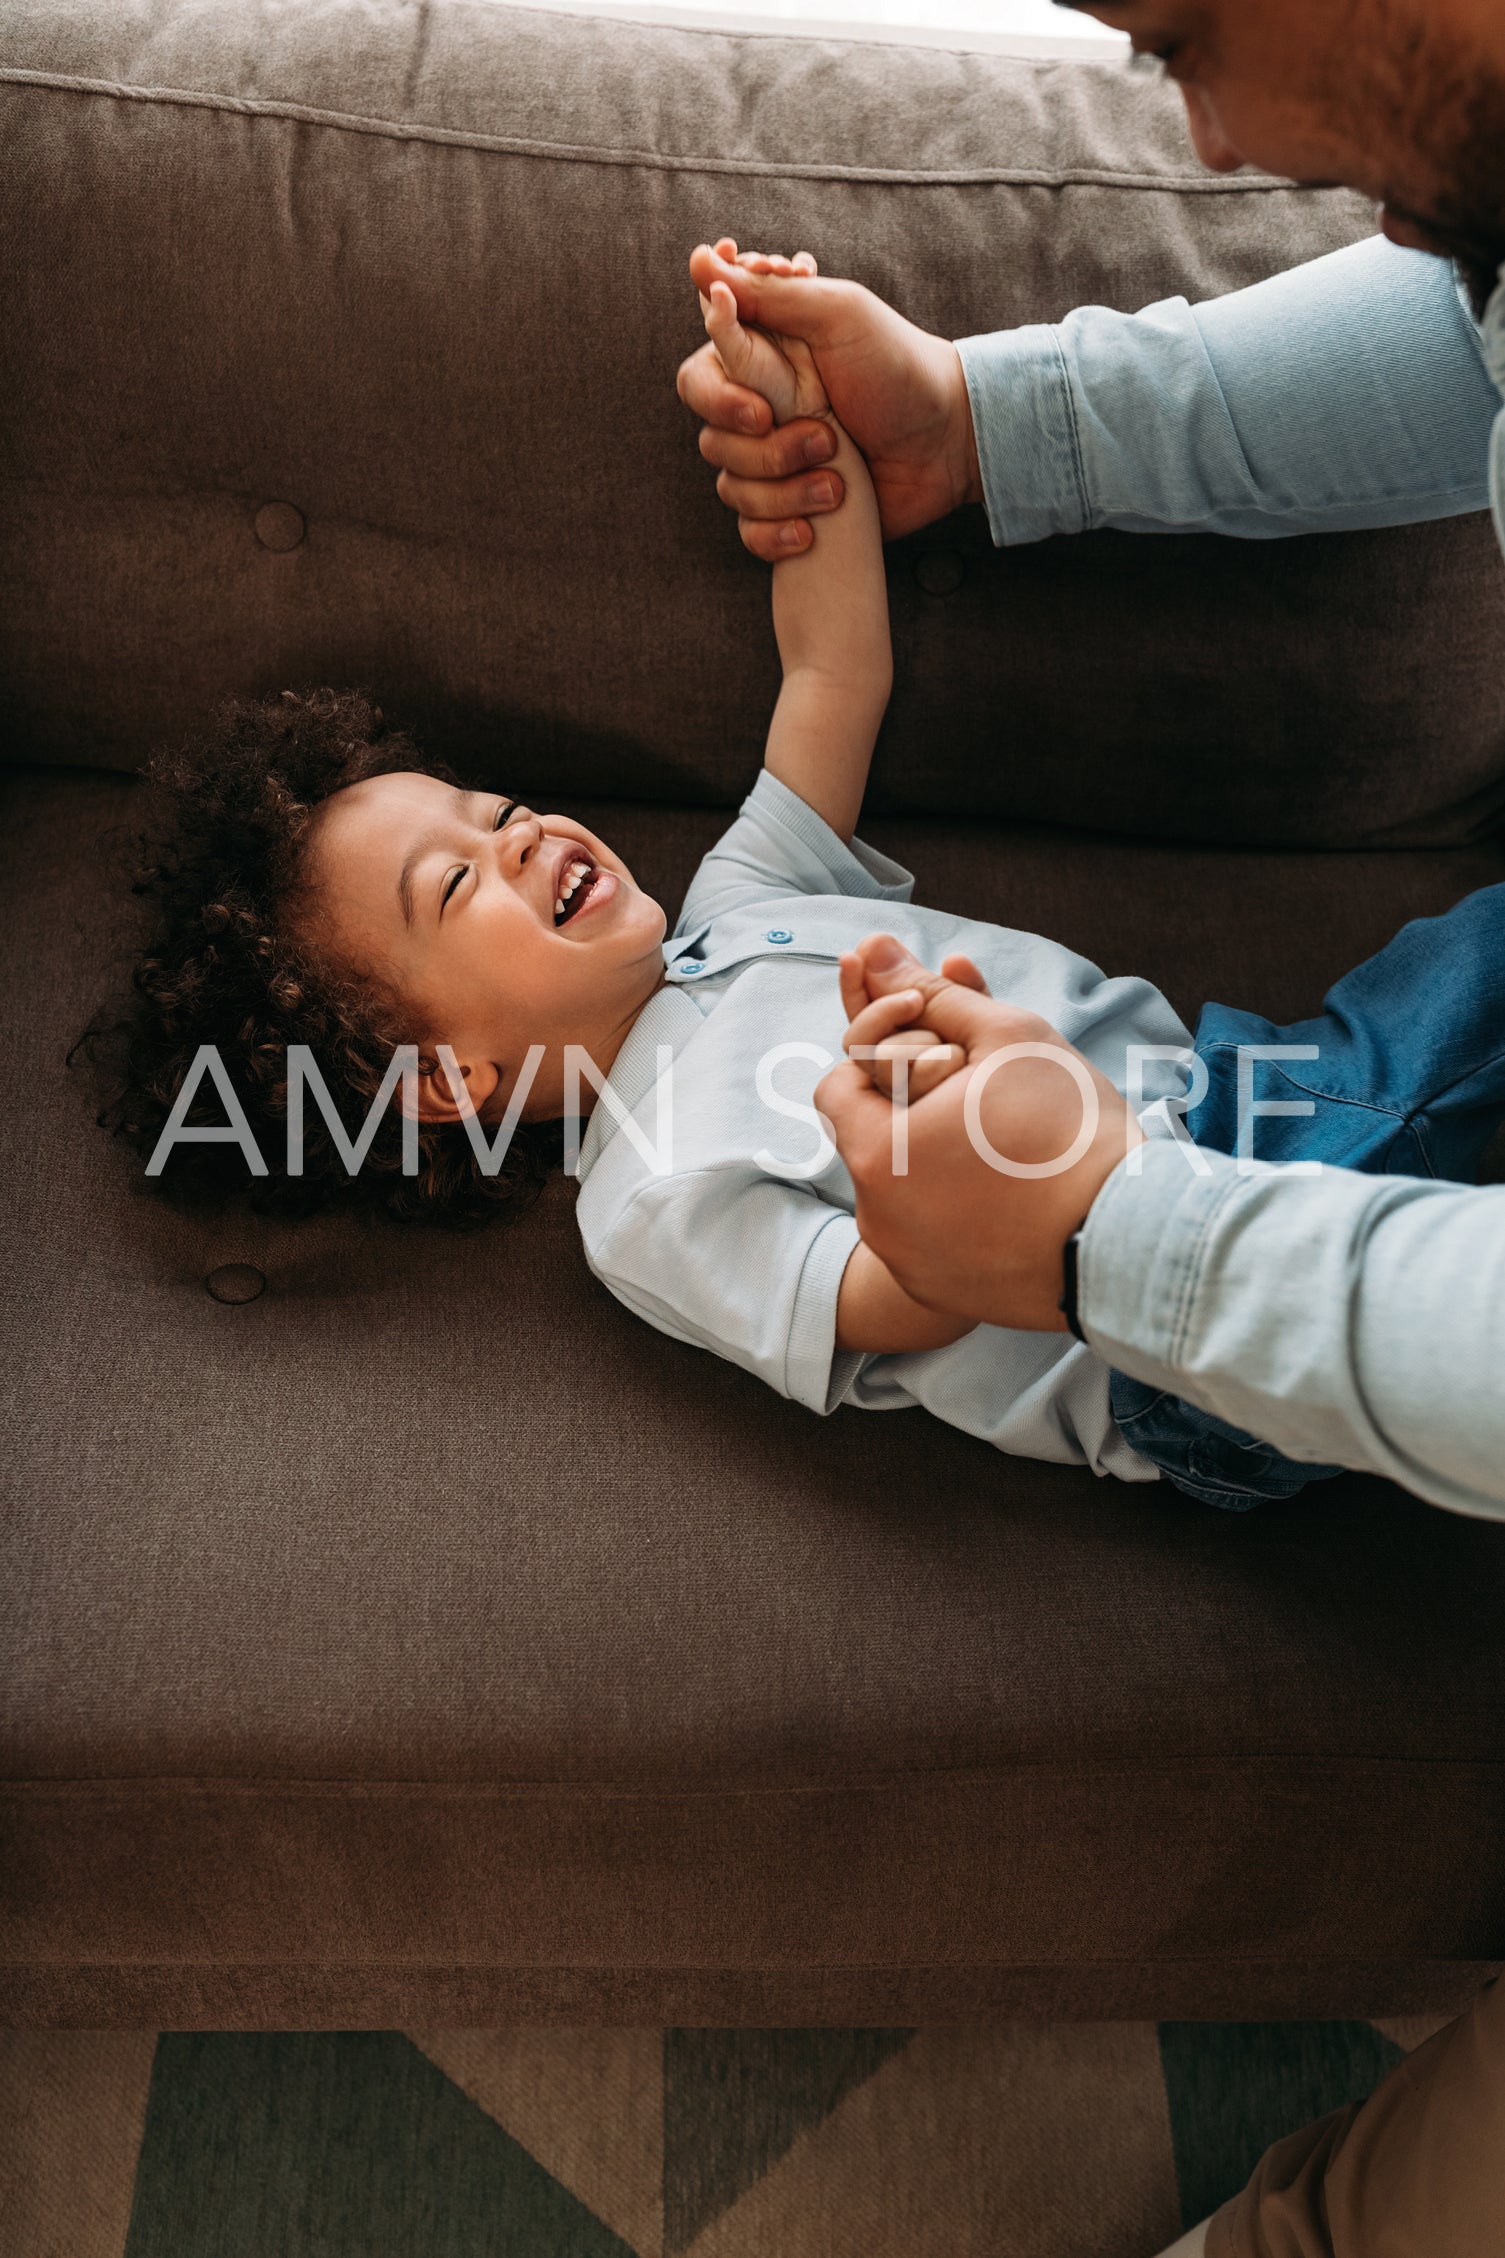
(574, 877)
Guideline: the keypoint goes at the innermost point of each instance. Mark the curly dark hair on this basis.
(232, 964)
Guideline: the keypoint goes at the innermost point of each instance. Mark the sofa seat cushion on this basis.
(425, 1610)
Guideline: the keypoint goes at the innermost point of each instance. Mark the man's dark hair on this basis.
(231, 963)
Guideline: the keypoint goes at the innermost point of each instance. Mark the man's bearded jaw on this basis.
(1476, 250)
(1461, 127)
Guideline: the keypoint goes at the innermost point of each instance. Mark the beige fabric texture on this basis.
(73, 2104)
(1412, 2171)
(1038, 2141)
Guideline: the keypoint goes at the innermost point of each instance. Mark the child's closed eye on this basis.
(506, 809)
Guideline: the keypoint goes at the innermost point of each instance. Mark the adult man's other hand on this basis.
(900, 392)
(959, 1229)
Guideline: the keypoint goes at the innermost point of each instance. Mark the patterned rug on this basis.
(1068, 2140)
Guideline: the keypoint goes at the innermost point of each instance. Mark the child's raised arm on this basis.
(830, 603)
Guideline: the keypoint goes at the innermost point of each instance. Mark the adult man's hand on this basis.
(900, 392)
(958, 1231)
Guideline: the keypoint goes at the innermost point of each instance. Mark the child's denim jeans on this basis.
(1408, 1080)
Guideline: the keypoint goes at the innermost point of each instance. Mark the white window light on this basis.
(1010, 27)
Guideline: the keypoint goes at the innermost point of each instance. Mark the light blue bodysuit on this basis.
(726, 1220)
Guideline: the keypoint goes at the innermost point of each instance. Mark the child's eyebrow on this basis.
(416, 853)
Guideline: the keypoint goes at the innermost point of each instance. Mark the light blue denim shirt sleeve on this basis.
(1356, 1320)
(1345, 393)
(1350, 1320)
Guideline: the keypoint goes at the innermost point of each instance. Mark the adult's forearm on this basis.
(1346, 393)
(1350, 1319)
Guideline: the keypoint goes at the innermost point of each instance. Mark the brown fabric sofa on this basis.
(339, 345)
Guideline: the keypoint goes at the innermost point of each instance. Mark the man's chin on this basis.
(1478, 253)
(1410, 234)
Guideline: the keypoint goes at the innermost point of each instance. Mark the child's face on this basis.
(452, 895)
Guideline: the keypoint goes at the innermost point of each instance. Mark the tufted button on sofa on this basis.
(279, 526)
(235, 1282)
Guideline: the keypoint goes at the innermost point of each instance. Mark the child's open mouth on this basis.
(576, 885)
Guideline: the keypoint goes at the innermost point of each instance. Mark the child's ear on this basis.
(440, 1075)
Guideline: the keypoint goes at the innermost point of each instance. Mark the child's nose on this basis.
(519, 839)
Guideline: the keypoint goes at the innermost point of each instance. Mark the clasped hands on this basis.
(1000, 1159)
(958, 1229)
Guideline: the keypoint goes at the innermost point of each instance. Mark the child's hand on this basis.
(766, 262)
(909, 1058)
(781, 368)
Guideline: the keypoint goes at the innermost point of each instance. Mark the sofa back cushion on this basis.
(340, 345)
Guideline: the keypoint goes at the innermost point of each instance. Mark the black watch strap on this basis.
(1067, 1303)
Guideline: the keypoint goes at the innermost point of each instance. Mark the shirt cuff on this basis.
(817, 1373)
(1142, 1250)
(1024, 419)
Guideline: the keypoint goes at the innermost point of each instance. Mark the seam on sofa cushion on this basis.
(668, 1787)
(564, 152)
